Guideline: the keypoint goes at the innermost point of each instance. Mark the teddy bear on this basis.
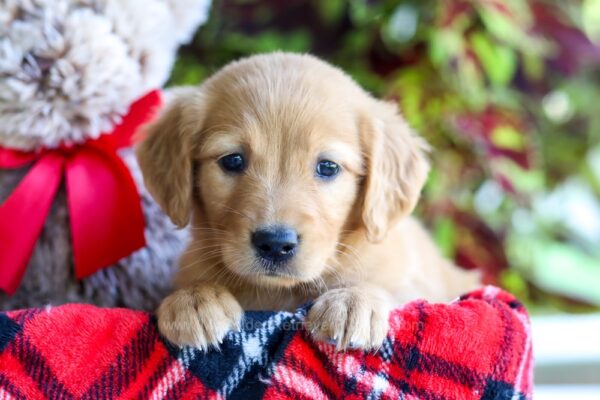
(78, 78)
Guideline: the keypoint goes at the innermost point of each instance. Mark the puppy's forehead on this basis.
(286, 109)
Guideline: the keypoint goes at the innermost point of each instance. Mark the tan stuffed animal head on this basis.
(69, 69)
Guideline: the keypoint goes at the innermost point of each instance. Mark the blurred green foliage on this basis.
(505, 90)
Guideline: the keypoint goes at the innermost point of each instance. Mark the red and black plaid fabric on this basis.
(478, 347)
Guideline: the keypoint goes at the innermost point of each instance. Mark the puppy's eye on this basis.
(233, 163)
(327, 169)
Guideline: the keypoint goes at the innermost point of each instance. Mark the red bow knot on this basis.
(104, 205)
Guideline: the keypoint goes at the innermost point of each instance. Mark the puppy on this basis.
(298, 186)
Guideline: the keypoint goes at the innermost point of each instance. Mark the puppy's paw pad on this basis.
(349, 319)
(199, 317)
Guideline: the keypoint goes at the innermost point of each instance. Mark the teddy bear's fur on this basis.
(69, 69)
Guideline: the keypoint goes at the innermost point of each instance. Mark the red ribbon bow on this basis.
(105, 211)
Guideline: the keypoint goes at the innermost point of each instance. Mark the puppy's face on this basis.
(277, 180)
(279, 156)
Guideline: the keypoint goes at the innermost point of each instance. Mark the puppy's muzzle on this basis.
(275, 244)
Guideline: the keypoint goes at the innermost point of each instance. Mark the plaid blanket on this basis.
(477, 347)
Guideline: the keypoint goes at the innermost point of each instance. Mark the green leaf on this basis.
(445, 236)
(359, 12)
(533, 66)
(443, 45)
(499, 62)
(515, 29)
(268, 41)
(591, 19)
(562, 268)
(524, 181)
(507, 137)
(330, 11)
(187, 71)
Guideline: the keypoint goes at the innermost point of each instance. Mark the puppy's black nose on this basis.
(275, 243)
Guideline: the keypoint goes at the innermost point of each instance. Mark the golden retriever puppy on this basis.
(298, 186)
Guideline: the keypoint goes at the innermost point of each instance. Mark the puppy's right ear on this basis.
(165, 154)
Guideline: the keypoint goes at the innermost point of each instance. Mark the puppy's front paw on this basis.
(350, 318)
(199, 316)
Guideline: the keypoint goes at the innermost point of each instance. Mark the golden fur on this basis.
(360, 253)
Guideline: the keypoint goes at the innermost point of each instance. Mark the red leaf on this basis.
(479, 128)
(574, 48)
(478, 246)
(450, 11)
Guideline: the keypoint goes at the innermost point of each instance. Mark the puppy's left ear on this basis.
(396, 168)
